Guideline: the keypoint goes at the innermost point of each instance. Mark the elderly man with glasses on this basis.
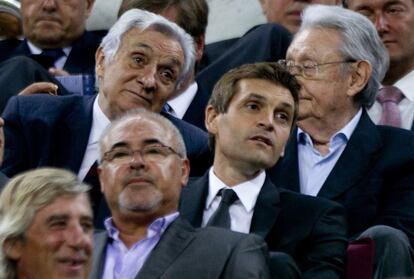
(337, 152)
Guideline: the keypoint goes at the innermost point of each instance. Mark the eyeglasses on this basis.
(149, 153)
(309, 69)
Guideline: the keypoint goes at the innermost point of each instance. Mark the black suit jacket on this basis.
(81, 59)
(373, 178)
(184, 252)
(311, 230)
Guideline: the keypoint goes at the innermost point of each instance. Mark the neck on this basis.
(397, 71)
(234, 174)
(322, 130)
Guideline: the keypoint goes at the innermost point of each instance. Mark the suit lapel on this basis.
(76, 128)
(355, 159)
(174, 240)
(193, 200)
(100, 240)
(286, 172)
(266, 209)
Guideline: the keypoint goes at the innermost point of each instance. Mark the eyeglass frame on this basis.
(140, 151)
(300, 68)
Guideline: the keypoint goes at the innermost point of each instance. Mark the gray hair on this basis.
(360, 42)
(22, 197)
(143, 20)
(146, 114)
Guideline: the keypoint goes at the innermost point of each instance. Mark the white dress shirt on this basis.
(181, 103)
(58, 63)
(241, 211)
(99, 123)
(406, 106)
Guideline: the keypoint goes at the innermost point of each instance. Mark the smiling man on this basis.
(249, 119)
(46, 226)
(141, 62)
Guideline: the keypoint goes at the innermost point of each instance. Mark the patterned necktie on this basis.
(389, 98)
(221, 217)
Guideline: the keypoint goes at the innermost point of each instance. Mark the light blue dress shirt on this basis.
(124, 263)
(315, 168)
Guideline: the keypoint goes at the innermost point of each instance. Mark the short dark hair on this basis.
(192, 15)
(226, 87)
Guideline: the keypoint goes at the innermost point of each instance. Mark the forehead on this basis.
(152, 42)
(68, 205)
(307, 43)
(139, 130)
(262, 90)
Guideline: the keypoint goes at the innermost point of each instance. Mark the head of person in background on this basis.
(141, 62)
(394, 21)
(10, 20)
(249, 118)
(45, 226)
(340, 75)
(54, 23)
(289, 12)
(143, 166)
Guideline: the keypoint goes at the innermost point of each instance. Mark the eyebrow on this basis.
(145, 142)
(261, 98)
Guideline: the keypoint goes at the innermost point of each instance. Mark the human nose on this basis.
(49, 4)
(380, 23)
(147, 77)
(266, 120)
(137, 159)
(78, 237)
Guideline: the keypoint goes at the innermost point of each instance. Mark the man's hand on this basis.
(39, 88)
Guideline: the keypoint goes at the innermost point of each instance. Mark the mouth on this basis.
(73, 263)
(138, 96)
(262, 140)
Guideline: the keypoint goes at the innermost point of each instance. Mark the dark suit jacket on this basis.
(81, 59)
(184, 252)
(311, 230)
(3, 180)
(373, 178)
(263, 43)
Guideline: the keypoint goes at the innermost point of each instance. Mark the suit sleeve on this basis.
(15, 147)
(249, 259)
(327, 244)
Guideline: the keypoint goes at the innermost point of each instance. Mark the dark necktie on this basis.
(48, 57)
(389, 98)
(221, 218)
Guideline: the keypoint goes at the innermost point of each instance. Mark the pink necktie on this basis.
(389, 97)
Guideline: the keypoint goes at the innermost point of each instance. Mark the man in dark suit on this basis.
(397, 34)
(55, 36)
(337, 152)
(133, 71)
(249, 118)
(143, 167)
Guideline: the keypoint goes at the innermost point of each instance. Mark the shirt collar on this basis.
(181, 102)
(345, 132)
(157, 227)
(35, 50)
(247, 191)
(99, 122)
(406, 85)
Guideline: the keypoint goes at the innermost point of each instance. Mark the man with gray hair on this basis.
(140, 63)
(45, 226)
(142, 170)
(337, 152)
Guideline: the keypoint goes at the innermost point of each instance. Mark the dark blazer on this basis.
(311, 230)
(184, 252)
(373, 178)
(81, 59)
(3, 180)
(46, 130)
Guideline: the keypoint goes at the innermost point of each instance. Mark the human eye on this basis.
(87, 225)
(120, 153)
(154, 152)
(167, 75)
(139, 59)
(253, 106)
(394, 9)
(282, 117)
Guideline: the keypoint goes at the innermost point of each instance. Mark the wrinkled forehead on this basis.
(138, 130)
(307, 42)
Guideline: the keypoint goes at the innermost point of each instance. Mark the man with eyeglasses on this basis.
(142, 170)
(337, 152)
